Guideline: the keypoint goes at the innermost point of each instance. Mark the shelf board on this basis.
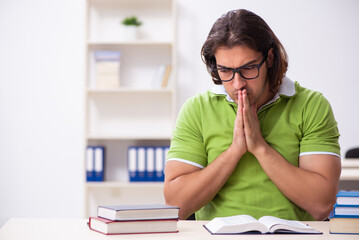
(350, 163)
(140, 42)
(130, 90)
(114, 184)
(132, 137)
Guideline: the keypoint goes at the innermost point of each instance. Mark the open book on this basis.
(246, 224)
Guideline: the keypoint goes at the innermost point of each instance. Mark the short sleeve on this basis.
(187, 140)
(320, 131)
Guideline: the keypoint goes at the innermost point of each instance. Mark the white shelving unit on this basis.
(140, 111)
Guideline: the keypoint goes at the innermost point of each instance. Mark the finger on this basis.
(239, 99)
(246, 103)
(240, 106)
(247, 116)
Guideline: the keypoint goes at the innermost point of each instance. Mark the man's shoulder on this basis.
(207, 97)
(306, 92)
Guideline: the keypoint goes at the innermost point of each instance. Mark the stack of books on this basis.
(131, 219)
(344, 219)
(107, 69)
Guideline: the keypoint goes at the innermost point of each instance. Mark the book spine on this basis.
(90, 175)
(150, 164)
(99, 163)
(132, 163)
(141, 164)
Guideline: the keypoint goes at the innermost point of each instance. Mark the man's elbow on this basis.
(176, 201)
(322, 212)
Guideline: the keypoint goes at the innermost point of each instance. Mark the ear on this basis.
(270, 58)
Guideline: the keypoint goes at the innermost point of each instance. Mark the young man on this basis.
(258, 143)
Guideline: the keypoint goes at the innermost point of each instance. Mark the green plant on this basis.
(131, 21)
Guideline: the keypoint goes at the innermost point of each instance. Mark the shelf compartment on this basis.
(137, 115)
(139, 65)
(105, 19)
(115, 169)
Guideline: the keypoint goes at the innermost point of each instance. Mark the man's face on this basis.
(257, 89)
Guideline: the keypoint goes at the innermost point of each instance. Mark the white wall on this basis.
(41, 85)
(41, 108)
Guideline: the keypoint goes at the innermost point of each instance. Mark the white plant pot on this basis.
(130, 33)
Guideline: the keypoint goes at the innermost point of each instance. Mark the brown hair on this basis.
(242, 27)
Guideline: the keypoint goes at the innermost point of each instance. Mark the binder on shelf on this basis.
(132, 163)
(90, 176)
(95, 159)
(146, 163)
(141, 164)
(99, 163)
(159, 164)
(150, 164)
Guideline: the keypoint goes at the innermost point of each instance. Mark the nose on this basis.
(238, 82)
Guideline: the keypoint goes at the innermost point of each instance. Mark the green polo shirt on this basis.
(296, 122)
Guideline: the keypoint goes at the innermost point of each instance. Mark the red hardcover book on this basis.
(110, 227)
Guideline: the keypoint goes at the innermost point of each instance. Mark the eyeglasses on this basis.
(247, 72)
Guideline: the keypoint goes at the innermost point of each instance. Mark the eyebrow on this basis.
(244, 65)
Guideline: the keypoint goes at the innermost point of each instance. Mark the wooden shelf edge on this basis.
(114, 184)
(132, 137)
(92, 43)
(130, 90)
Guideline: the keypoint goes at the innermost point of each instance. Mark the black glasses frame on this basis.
(237, 70)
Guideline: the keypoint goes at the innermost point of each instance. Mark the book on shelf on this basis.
(110, 227)
(146, 163)
(348, 198)
(95, 159)
(162, 76)
(246, 224)
(138, 212)
(107, 69)
(166, 76)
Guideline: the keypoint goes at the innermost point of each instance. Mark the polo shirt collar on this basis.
(287, 89)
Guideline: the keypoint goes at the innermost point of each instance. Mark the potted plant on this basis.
(131, 25)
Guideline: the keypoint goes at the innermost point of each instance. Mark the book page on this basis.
(235, 224)
(274, 223)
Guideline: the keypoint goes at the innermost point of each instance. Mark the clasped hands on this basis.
(247, 135)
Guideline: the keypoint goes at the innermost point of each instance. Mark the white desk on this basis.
(68, 229)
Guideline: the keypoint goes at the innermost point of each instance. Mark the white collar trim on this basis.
(287, 88)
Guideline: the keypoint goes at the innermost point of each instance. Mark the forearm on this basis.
(312, 191)
(193, 190)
